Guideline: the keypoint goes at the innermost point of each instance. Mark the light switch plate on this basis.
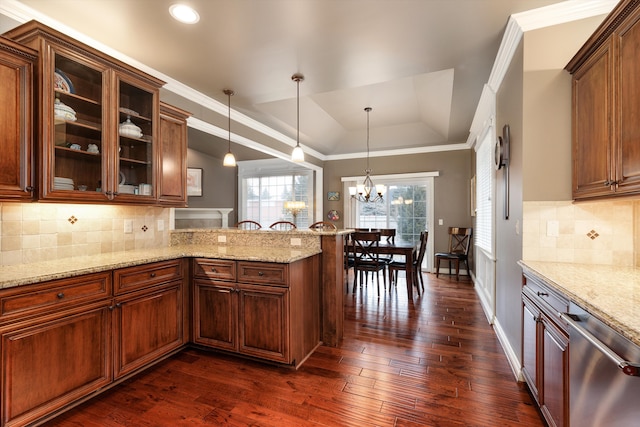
(128, 226)
(553, 228)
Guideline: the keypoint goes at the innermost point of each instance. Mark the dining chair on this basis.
(459, 244)
(248, 224)
(323, 225)
(282, 225)
(395, 266)
(366, 258)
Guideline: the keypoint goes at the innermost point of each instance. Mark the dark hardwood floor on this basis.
(432, 362)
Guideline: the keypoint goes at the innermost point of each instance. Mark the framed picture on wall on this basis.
(194, 182)
(333, 196)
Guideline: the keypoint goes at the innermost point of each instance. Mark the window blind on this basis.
(484, 192)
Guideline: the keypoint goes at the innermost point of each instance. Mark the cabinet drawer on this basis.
(540, 292)
(54, 295)
(219, 269)
(132, 278)
(263, 272)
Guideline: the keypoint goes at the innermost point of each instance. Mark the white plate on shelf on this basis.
(122, 178)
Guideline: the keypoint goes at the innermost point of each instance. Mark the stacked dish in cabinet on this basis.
(60, 183)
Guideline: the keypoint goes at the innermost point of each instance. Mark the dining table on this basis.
(406, 249)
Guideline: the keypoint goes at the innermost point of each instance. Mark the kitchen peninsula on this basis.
(93, 321)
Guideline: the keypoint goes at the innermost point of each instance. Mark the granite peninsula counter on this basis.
(610, 293)
(24, 274)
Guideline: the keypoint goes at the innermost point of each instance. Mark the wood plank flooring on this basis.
(431, 362)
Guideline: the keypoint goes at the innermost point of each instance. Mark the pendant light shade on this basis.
(229, 158)
(367, 192)
(297, 155)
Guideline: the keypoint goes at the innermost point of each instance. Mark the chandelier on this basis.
(367, 192)
(229, 158)
(297, 155)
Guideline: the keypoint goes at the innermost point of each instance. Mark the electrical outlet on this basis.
(296, 241)
(222, 239)
(160, 226)
(128, 226)
(440, 221)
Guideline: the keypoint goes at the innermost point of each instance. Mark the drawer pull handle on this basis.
(542, 294)
(213, 270)
(152, 275)
(260, 273)
(60, 295)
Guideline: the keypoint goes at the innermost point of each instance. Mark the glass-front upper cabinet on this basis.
(137, 108)
(98, 120)
(77, 141)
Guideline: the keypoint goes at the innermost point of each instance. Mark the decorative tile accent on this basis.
(72, 219)
(592, 234)
(144, 228)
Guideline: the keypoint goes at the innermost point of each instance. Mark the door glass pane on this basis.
(404, 208)
(135, 175)
(78, 139)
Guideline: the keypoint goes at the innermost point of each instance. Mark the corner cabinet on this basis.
(98, 122)
(545, 350)
(263, 310)
(606, 132)
(17, 65)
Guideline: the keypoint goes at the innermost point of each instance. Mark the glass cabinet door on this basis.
(77, 144)
(136, 128)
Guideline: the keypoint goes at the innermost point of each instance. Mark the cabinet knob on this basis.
(60, 295)
(213, 270)
(152, 275)
(29, 189)
(118, 304)
(260, 273)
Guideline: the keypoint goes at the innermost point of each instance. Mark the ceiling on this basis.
(420, 64)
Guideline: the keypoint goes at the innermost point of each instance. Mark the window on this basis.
(264, 189)
(483, 234)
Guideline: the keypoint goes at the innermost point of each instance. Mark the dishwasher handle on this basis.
(629, 368)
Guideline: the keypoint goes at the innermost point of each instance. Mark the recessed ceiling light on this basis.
(184, 13)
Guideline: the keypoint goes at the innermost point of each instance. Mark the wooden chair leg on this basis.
(437, 267)
(457, 271)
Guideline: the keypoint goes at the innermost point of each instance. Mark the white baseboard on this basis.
(512, 358)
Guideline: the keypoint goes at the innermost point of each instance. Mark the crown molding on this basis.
(517, 25)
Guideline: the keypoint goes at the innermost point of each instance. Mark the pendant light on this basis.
(297, 155)
(229, 158)
(362, 192)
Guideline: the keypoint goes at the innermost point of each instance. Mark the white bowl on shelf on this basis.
(129, 129)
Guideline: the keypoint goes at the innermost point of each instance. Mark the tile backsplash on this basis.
(31, 232)
(600, 232)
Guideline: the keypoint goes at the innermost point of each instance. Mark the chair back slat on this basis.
(365, 244)
(282, 225)
(248, 224)
(459, 240)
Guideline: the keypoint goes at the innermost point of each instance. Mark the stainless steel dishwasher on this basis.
(604, 373)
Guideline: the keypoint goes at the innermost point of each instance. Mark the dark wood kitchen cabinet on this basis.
(172, 162)
(55, 345)
(150, 314)
(17, 64)
(545, 350)
(606, 132)
(264, 310)
(84, 98)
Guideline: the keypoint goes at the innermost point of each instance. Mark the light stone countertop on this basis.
(24, 274)
(610, 293)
